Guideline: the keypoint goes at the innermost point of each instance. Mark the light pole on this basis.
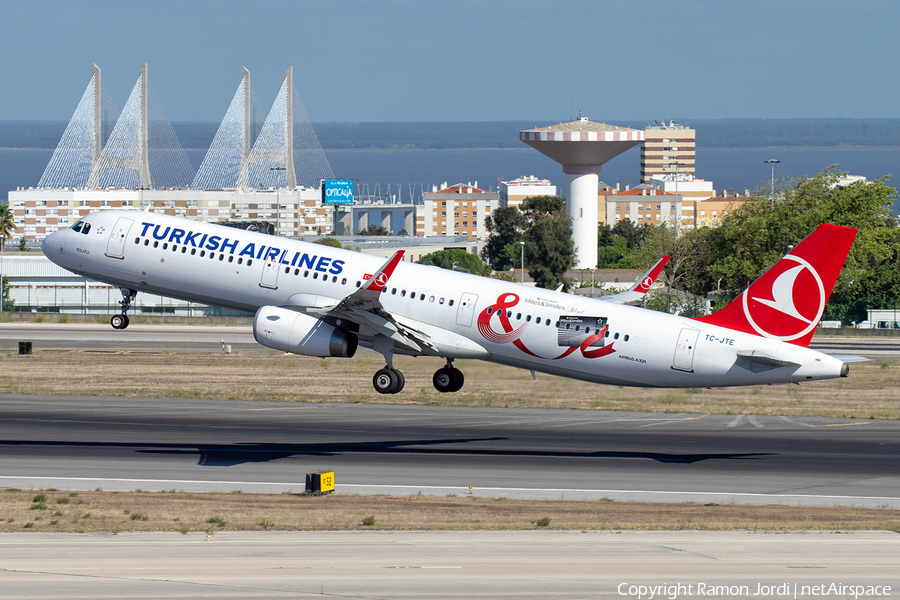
(677, 212)
(277, 202)
(772, 162)
(522, 246)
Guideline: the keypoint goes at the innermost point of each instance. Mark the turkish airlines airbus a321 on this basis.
(320, 301)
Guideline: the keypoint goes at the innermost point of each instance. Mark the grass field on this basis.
(871, 391)
(51, 510)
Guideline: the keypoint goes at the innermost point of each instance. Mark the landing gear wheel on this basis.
(388, 381)
(119, 321)
(444, 380)
(460, 380)
(401, 383)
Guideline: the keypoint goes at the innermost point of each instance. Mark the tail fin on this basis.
(787, 302)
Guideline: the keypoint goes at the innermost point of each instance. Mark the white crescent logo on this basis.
(782, 300)
(647, 282)
(381, 279)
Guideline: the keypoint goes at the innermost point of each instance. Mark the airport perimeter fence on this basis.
(100, 299)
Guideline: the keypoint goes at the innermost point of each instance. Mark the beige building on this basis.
(642, 205)
(459, 209)
(512, 193)
(646, 205)
(686, 186)
(664, 144)
(298, 211)
(709, 213)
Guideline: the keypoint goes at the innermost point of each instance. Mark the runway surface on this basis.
(450, 564)
(116, 443)
(204, 338)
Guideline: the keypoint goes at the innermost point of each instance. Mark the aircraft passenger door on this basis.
(270, 274)
(466, 309)
(684, 350)
(115, 247)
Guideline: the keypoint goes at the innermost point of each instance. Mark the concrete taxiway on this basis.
(79, 442)
(458, 564)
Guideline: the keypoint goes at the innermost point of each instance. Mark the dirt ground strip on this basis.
(51, 510)
(871, 391)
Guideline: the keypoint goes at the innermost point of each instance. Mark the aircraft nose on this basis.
(49, 242)
(53, 246)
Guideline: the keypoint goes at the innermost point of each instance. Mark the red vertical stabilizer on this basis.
(787, 302)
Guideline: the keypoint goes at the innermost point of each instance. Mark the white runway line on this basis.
(737, 419)
(797, 422)
(754, 422)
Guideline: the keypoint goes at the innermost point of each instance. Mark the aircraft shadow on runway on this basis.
(227, 455)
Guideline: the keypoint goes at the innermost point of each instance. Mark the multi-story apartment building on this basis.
(297, 211)
(512, 193)
(665, 144)
(459, 209)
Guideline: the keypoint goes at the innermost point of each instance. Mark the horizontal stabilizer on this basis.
(849, 358)
(761, 358)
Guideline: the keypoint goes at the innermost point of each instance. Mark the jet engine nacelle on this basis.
(295, 332)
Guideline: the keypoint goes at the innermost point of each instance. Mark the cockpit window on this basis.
(82, 227)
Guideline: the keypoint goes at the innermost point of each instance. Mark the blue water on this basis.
(738, 169)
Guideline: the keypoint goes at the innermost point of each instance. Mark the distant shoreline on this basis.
(842, 148)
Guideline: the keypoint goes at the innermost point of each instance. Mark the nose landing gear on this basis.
(448, 379)
(121, 321)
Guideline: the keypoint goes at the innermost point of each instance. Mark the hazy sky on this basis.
(427, 60)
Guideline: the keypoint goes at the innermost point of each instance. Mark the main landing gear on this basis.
(121, 321)
(388, 380)
(448, 379)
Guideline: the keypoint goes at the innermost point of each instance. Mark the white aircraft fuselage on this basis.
(434, 311)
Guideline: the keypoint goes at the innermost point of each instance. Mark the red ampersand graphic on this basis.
(500, 310)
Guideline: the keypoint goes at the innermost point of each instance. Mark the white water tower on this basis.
(582, 147)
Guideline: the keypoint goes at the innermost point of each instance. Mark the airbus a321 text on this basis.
(320, 301)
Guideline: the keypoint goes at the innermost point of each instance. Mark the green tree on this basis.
(675, 302)
(549, 249)
(8, 303)
(464, 261)
(754, 236)
(375, 230)
(23, 244)
(7, 225)
(505, 227)
(329, 241)
(610, 256)
(542, 205)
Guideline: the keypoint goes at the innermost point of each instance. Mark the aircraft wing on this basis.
(364, 308)
(639, 289)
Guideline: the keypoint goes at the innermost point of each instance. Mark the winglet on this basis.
(377, 281)
(649, 278)
(787, 301)
(641, 287)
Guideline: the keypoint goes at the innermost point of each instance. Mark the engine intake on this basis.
(295, 332)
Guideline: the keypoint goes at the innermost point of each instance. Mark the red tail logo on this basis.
(787, 302)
